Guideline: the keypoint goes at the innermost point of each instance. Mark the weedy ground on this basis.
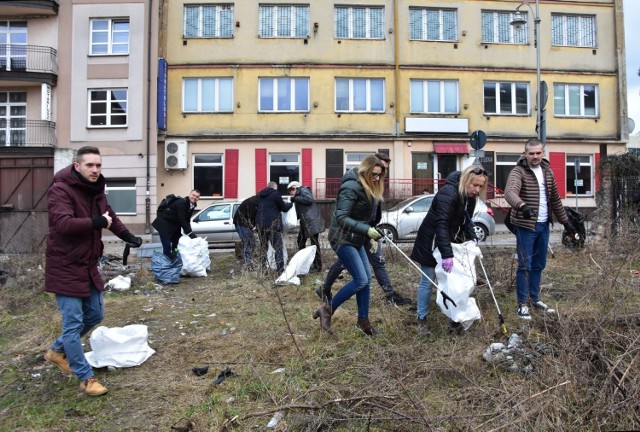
(585, 378)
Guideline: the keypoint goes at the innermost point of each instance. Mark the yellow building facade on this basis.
(281, 91)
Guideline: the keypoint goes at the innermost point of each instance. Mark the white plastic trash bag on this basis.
(459, 284)
(289, 220)
(195, 256)
(271, 256)
(299, 265)
(119, 346)
(119, 283)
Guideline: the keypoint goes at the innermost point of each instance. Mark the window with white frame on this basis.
(504, 164)
(497, 28)
(13, 43)
(208, 95)
(108, 107)
(121, 195)
(13, 118)
(355, 22)
(284, 21)
(284, 94)
(360, 95)
(575, 100)
(109, 36)
(506, 98)
(208, 174)
(573, 30)
(283, 169)
(433, 24)
(434, 96)
(353, 159)
(579, 182)
(208, 21)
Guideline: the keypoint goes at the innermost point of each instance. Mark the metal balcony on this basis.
(25, 8)
(28, 63)
(27, 133)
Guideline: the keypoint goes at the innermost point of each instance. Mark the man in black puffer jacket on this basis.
(269, 223)
(176, 218)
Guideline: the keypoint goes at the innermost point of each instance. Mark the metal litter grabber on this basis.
(445, 297)
(502, 325)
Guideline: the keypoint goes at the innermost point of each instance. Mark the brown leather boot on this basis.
(365, 325)
(324, 312)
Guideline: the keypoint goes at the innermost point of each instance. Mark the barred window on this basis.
(433, 24)
(208, 21)
(359, 22)
(284, 21)
(506, 98)
(573, 30)
(497, 28)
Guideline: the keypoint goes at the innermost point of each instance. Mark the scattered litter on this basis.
(275, 419)
(35, 375)
(147, 309)
(231, 399)
(212, 315)
(279, 370)
(200, 371)
(225, 373)
(515, 357)
(119, 283)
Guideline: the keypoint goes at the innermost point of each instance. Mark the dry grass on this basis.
(282, 362)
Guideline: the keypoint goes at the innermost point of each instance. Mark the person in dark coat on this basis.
(78, 212)
(350, 234)
(244, 222)
(448, 221)
(172, 221)
(269, 223)
(311, 222)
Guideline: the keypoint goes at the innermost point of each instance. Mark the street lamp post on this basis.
(519, 22)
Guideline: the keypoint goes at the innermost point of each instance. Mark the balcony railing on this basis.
(28, 58)
(27, 133)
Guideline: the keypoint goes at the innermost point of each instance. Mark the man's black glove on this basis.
(192, 235)
(134, 241)
(526, 212)
(569, 228)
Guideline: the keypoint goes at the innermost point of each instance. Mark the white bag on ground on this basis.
(195, 256)
(119, 283)
(299, 265)
(459, 284)
(119, 346)
(271, 256)
(289, 220)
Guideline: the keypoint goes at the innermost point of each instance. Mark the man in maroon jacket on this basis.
(78, 211)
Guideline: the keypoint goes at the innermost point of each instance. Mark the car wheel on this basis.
(481, 231)
(390, 232)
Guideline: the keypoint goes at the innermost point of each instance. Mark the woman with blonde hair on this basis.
(352, 226)
(448, 221)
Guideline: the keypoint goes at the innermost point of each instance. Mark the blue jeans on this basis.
(357, 264)
(424, 290)
(532, 259)
(248, 243)
(79, 315)
(379, 269)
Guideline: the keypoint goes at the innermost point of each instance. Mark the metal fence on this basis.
(16, 132)
(28, 58)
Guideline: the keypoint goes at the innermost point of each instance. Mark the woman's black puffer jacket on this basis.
(354, 213)
(448, 221)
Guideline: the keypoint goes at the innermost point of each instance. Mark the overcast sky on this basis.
(631, 10)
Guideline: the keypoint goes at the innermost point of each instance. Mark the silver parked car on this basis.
(215, 222)
(401, 222)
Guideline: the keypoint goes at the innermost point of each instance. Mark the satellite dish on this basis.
(478, 139)
(631, 124)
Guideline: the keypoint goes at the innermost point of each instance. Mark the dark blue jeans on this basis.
(357, 264)
(379, 269)
(79, 315)
(248, 243)
(532, 259)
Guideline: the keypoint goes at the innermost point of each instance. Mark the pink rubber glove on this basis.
(447, 264)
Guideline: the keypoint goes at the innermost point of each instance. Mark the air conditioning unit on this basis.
(175, 154)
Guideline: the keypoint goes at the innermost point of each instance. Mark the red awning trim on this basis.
(451, 148)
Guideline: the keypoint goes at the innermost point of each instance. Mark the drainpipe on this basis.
(396, 63)
(147, 201)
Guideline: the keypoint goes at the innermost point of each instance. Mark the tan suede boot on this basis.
(324, 312)
(365, 325)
